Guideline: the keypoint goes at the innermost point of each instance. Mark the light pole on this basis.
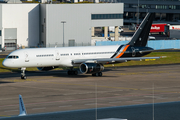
(138, 13)
(63, 30)
(147, 9)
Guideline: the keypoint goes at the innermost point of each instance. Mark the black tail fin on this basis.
(141, 35)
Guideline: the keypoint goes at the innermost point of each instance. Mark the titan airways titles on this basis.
(89, 59)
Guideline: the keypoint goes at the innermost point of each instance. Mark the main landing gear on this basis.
(23, 75)
(97, 74)
(72, 72)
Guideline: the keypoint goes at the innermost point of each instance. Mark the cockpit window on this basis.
(12, 57)
(9, 57)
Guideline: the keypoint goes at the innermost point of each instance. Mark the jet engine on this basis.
(90, 68)
(46, 68)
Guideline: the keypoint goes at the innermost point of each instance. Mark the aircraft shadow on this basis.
(3, 68)
(55, 73)
(3, 82)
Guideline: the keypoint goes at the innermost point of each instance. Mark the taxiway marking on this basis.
(115, 102)
(74, 84)
(4, 116)
(139, 100)
(142, 73)
(38, 108)
(75, 100)
(90, 104)
(122, 88)
(66, 106)
(10, 110)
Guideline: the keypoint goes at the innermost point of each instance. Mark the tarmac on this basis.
(160, 111)
(54, 91)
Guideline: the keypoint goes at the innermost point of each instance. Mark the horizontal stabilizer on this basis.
(159, 50)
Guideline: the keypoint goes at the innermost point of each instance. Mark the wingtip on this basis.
(163, 57)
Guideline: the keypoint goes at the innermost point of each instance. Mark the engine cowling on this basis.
(90, 68)
(46, 68)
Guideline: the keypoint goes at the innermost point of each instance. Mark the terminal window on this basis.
(106, 16)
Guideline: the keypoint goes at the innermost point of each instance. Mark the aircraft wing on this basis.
(159, 50)
(111, 60)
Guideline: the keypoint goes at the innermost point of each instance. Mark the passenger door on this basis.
(26, 56)
(133, 52)
(57, 55)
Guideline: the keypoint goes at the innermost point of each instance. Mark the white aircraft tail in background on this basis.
(22, 109)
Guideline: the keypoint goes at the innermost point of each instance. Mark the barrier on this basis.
(155, 44)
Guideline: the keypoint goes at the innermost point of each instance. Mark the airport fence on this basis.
(155, 44)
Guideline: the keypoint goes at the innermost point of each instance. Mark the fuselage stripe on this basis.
(123, 51)
(117, 51)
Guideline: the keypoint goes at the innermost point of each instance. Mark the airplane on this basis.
(22, 109)
(89, 59)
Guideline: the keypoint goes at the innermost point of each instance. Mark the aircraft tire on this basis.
(75, 72)
(94, 74)
(99, 73)
(72, 72)
(23, 77)
(69, 72)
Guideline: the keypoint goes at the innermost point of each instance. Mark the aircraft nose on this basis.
(5, 63)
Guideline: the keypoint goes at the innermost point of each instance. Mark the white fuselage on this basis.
(63, 56)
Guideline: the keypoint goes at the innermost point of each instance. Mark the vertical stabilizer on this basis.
(141, 35)
(22, 109)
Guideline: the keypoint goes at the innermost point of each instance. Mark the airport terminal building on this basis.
(50, 25)
(19, 25)
(71, 24)
(167, 11)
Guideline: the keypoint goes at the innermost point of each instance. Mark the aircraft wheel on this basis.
(23, 77)
(75, 72)
(72, 72)
(99, 73)
(94, 74)
(69, 72)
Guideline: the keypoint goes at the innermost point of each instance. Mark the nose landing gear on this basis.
(23, 75)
